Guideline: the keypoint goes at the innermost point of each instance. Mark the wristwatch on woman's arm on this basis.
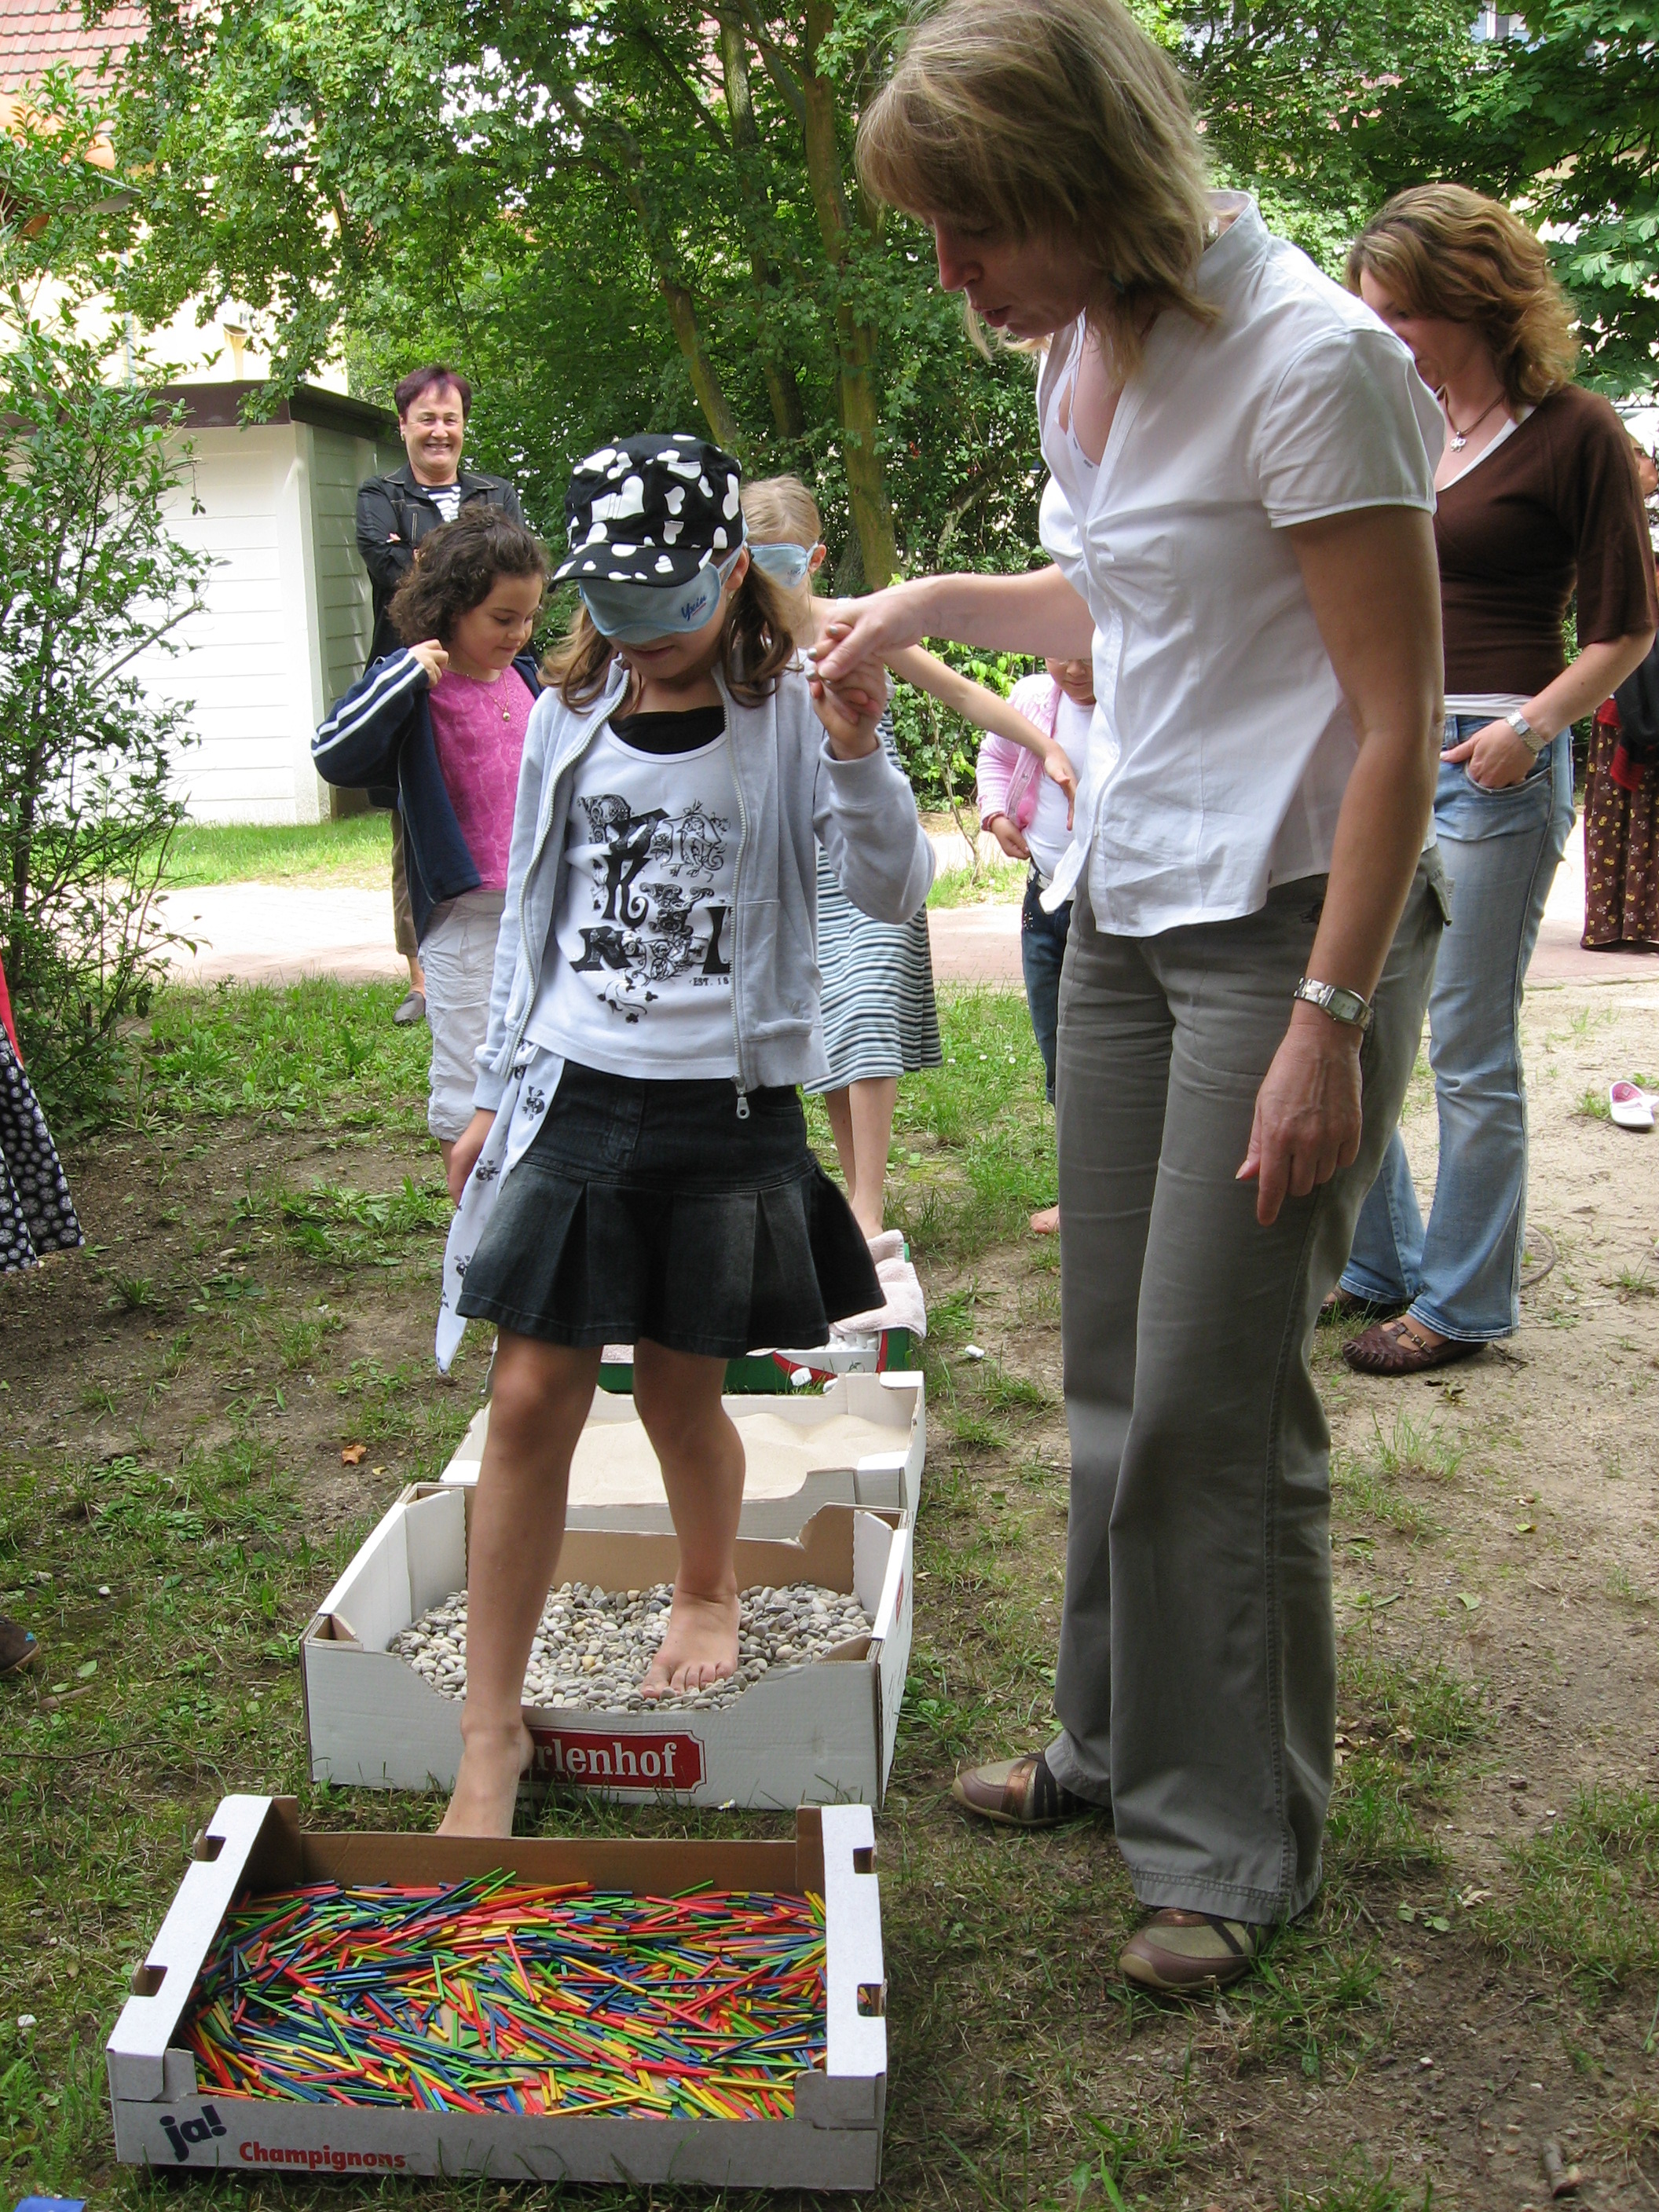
(1342, 1006)
(1533, 740)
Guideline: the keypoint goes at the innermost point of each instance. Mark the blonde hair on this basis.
(1443, 251)
(757, 643)
(1055, 118)
(781, 511)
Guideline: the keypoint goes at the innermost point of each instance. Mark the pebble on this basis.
(594, 1647)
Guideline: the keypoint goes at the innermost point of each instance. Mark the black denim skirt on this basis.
(648, 1209)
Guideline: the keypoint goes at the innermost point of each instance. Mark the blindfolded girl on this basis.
(638, 1164)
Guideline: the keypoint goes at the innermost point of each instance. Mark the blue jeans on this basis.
(1461, 1274)
(1042, 955)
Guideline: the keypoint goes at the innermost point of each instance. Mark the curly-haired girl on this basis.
(443, 723)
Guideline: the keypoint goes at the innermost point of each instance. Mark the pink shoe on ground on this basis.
(1629, 1107)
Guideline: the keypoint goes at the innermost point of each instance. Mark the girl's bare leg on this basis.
(872, 1103)
(538, 1402)
(839, 1106)
(678, 1397)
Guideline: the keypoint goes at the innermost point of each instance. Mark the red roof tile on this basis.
(35, 35)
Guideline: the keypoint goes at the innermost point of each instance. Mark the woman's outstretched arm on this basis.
(1037, 613)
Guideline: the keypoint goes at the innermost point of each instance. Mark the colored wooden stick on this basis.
(491, 1996)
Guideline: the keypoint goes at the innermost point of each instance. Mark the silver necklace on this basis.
(1460, 438)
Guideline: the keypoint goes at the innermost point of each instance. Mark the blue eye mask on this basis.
(638, 614)
(788, 565)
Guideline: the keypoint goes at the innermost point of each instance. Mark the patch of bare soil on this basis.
(1499, 1518)
(1497, 1550)
(192, 1322)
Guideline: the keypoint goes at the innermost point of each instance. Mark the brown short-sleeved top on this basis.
(1557, 504)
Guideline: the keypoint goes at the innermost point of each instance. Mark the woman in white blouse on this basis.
(1241, 463)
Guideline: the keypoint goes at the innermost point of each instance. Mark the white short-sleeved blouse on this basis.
(1222, 744)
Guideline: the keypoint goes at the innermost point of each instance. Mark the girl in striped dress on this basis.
(880, 1021)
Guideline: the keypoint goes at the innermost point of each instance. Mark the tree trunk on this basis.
(681, 308)
(705, 377)
(860, 410)
(781, 389)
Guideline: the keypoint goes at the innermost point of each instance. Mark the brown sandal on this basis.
(1395, 1348)
(18, 1647)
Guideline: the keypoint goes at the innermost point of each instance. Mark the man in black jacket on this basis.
(394, 513)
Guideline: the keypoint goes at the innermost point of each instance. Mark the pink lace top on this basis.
(479, 731)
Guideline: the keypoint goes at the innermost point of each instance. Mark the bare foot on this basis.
(487, 1787)
(1045, 1221)
(700, 1648)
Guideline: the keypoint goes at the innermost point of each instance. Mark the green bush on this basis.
(91, 581)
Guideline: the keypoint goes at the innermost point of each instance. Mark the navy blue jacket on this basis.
(378, 737)
(394, 513)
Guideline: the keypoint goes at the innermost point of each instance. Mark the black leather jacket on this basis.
(394, 513)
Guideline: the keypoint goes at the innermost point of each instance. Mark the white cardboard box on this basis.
(862, 1443)
(820, 1733)
(772, 1370)
(165, 2119)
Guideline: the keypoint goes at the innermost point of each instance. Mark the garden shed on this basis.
(286, 624)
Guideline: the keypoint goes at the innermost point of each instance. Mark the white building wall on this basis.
(285, 627)
(345, 611)
(235, 657)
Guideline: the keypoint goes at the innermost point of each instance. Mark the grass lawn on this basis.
(998, 882)
(356, 851)
(257, 1299)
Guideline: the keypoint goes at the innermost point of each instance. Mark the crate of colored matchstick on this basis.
(810, 1718)
(355, 2006)
(862, 1442)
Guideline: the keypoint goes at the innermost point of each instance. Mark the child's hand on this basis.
(1007, 835)
(464, 1152)
(1058, 769)
(863, 688)
(851, 732)
(432, 658)
(850, 709)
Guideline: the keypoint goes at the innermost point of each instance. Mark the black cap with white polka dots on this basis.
(651, 510)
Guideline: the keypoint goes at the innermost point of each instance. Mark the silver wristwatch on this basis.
(1340, 1005)
(1533, 740)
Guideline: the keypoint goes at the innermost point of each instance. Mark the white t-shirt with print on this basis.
(637, 980)
(1222, 745)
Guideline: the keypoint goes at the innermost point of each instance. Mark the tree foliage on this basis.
(90, 579)
(1327, 109)
(630, 214)
(619, 214)
(1565, 121)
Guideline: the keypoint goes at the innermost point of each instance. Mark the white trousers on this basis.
(458, 957)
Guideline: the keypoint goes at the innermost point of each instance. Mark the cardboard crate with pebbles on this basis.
(815, 1729)
(594, 1647)
(392, 2104)
(861, 1442)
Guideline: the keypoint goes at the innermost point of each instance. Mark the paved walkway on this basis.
(270, 934)
(982, 943)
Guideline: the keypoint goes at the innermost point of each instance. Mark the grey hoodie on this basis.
(792, 796)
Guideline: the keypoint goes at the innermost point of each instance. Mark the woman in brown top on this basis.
(1537, 497)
